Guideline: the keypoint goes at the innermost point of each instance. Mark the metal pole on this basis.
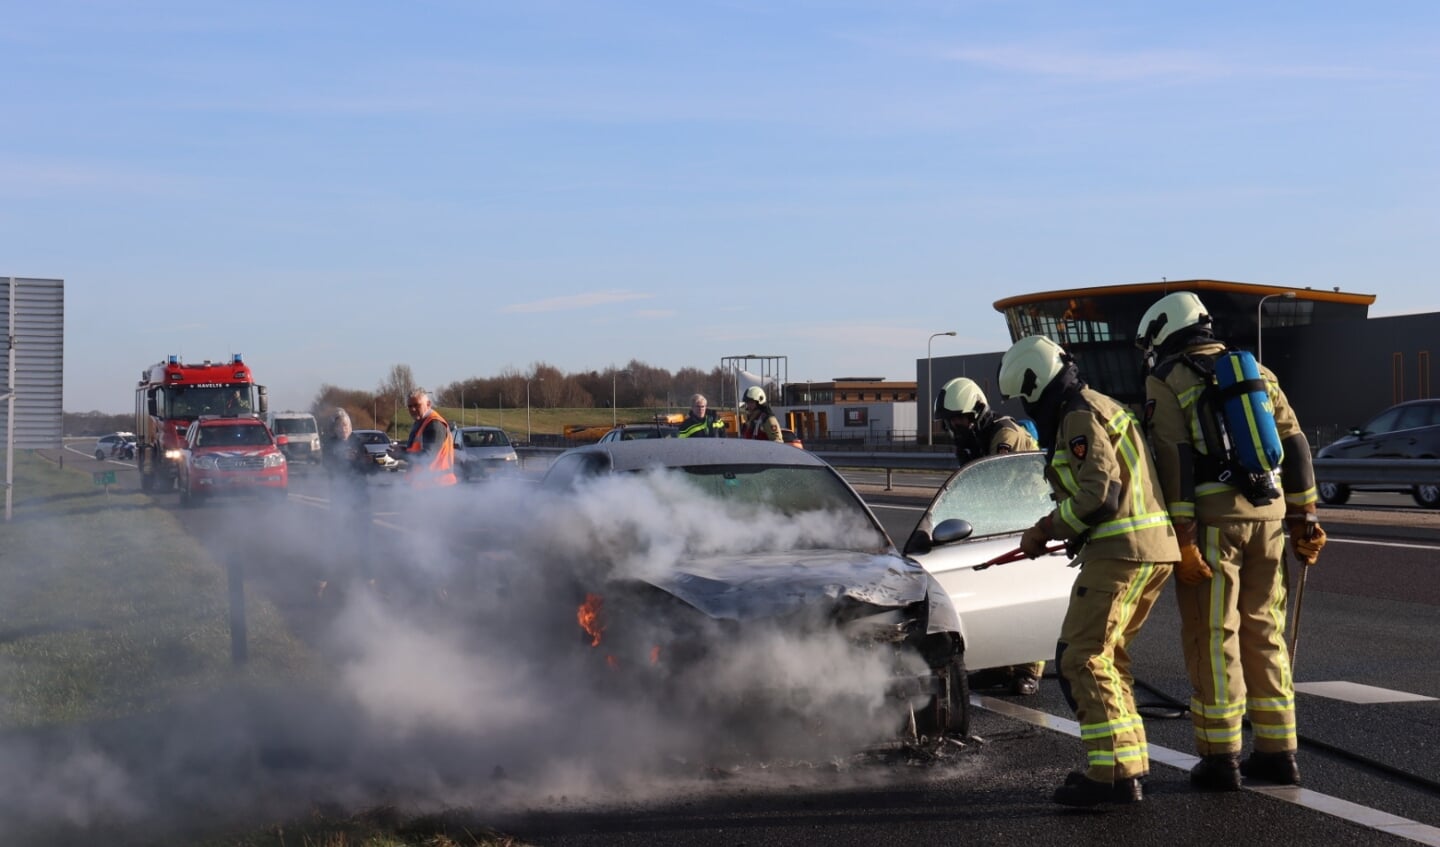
(930, 388)
(527, 411)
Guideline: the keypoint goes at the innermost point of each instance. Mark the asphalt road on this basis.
(1368, 716)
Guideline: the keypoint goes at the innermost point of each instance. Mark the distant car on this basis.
(302, 435)
(792, 438)
(377, 444)
(229, 456)
(116, 445)
(1409, 430)
(639, 432)
(697, 613)
(483, 451)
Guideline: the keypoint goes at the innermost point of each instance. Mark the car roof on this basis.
(479, 428)
(697, 452)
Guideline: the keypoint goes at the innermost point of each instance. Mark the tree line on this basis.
(636, 385)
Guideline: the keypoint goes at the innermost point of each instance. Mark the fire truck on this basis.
(171, 394)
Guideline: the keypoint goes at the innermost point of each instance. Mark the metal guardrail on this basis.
(1341, 471)
(1378, 471)
(907, 460)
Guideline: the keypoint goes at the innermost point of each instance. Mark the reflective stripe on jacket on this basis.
(1104, 482)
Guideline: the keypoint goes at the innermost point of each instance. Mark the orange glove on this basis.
(1191, 569)
(1033, 542)
(1306, 538)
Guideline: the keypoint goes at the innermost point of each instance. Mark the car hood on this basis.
(774, 585)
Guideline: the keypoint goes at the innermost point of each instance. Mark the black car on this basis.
(702, 624)
(1409, 430)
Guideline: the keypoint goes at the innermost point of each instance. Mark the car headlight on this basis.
(205, 461)
(274, 460)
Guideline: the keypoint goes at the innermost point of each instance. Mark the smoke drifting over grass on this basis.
(462, 676)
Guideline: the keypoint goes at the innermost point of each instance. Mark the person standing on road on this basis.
(1108, 504)
(760, 421)
(429, 449)
(977, 431)
(1231, 582)
(701, 422)
(348, 465)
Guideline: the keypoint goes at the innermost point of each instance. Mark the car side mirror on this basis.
(951, 530)
(282, 440)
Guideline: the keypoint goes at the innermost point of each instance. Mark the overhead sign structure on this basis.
(32, 361)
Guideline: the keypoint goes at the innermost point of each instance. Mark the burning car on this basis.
(773, 590)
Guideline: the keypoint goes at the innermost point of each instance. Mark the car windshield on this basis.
(373, 438)
(997, 495)
(485, 438)
(232, 435)
(295, 426)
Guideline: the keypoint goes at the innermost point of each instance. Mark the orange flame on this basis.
(588, 616)
(655, 655)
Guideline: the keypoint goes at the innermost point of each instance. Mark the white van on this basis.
(301, 434)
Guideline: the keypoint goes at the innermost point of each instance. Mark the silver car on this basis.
(483, 451)
(809, 562)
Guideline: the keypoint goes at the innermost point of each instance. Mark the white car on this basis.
(1010, 614)
(483, 451)
(116, 445)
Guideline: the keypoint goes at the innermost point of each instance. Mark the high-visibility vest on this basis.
(440, 470)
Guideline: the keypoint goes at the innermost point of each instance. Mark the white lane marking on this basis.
(1354, 692)
(1380, 543)
(1304, 797)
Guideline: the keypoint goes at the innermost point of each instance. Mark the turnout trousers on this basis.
(1095, 667)
(1232, 628)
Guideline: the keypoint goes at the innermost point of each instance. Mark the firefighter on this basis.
(429, 450)
(701, 422)
(1108, 506)
(760, 422)
(1230, 584)
(961, 407)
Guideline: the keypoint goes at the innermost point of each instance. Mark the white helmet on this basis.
(960, 396)
(1030, 365)
(1170, 314)
(755, 393)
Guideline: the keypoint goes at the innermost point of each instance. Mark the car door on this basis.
(1010, 614)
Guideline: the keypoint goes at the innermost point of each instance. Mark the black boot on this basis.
(1080, 790)
(1220, 772)
(1278, 768)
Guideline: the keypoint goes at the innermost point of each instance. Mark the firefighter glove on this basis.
(1307, 538)
(1032, 543)
(1192, 569)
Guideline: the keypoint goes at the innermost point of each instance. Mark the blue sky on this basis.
(333, 188)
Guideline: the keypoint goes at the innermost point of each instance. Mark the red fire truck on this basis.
(171, 394)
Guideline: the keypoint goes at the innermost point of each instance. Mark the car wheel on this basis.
(99, 455)
(187, 499)
(1427, 496)
(1334, 493)
(949, 711)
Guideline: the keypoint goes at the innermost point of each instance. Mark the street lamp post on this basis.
(930, 385)
(527, 407)
(614, 411)
(1259, 327)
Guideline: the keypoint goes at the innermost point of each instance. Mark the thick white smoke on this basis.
(461, 676)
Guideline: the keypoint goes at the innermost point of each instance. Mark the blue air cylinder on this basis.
(1249, 416)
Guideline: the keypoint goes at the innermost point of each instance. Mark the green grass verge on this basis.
(109, 609)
